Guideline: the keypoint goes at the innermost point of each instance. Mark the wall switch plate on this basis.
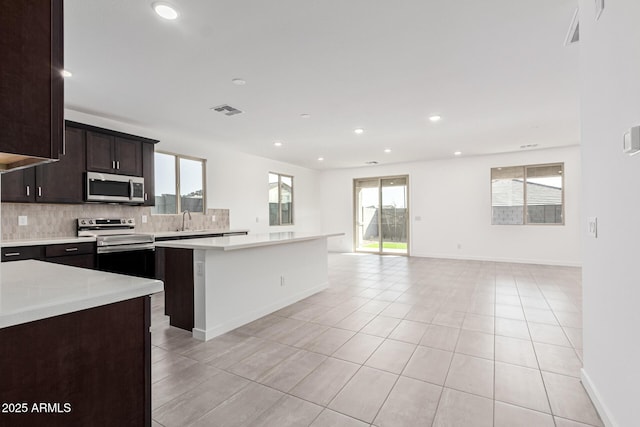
(257, 219)
(144, 219)
(631, 141)
(418, 218)
(22, 220)
(592, 227)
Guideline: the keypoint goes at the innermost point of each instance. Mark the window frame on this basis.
(525, 212)
(280, 224)
(177, 158)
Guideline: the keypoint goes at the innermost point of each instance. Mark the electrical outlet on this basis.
(257, 219)
(144, 219)
(281, 280)
(200, 269)
(23, 220)
(213, 218)
(418, 218)
(459, 246)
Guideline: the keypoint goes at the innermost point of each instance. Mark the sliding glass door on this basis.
(381, 215)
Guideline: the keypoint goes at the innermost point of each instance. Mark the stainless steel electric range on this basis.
(119, 248)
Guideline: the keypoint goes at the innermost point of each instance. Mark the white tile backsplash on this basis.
(57, 220)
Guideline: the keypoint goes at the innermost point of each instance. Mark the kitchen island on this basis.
(214, 285)
(75, 346)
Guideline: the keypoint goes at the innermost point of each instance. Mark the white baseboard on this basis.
(602, 409)
(236, 322)
(498, 259)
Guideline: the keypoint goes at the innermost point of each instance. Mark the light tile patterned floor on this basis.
(393, 342)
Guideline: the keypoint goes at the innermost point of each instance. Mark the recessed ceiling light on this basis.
(359, 131)
(165, 10)
(305, 116)
(239, 82)
(66, 73)
(277, 144)
(387, 150)
(320, 159)
(435, 118)
(457, 153)
(524, 147)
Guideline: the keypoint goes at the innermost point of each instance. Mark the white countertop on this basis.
(45, 241)
(230, 243)
(62, 240)
(34, 290)
(195, 232)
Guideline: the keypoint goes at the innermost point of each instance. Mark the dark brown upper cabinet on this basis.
(31, 83)
(58, 182)
(63, 181)
(113, 154)
(148, 171)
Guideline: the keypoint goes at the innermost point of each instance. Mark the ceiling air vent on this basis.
(227, 110)
(573, 35)
(371, 163)
(526, 146)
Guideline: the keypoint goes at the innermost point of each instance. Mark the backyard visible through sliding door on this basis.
(381, 214)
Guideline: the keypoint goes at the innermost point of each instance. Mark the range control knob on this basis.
(130, 221)
(90, 221)
(83, 222)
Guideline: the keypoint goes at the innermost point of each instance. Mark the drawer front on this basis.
(22, 252)
(70, 249)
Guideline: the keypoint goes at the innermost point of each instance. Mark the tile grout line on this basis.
(535, 352)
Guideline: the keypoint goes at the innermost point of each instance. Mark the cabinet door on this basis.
(148, 171)
(18, 253)
(128, 156)
(100, 156)
(19, 186)
(63, 181)
(31, 105)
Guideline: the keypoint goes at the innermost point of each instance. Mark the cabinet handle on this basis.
(118, 164)
(28, 191)
(12, 254)
(39, 191)
(113, 164)
(71, 249)
(146, 197)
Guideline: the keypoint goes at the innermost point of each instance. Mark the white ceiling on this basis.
(496, 70)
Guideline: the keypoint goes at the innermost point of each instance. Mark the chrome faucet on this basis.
(185, 212)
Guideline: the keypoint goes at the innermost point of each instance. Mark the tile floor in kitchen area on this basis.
(394, 341)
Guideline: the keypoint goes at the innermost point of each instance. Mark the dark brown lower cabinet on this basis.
(87, 368)
(74, 254)
(177, 274)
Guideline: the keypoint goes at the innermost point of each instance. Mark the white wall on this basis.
(453, 197)
(610, 101)
(235, 181)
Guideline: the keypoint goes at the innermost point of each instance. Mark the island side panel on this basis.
(242, 285)
(178, 287)
(97, 360)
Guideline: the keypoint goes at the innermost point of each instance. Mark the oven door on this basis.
(141, 263)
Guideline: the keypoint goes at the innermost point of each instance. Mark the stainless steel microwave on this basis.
(106, 187)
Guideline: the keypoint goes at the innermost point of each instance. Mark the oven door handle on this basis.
(126, 248)
(130, 189)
